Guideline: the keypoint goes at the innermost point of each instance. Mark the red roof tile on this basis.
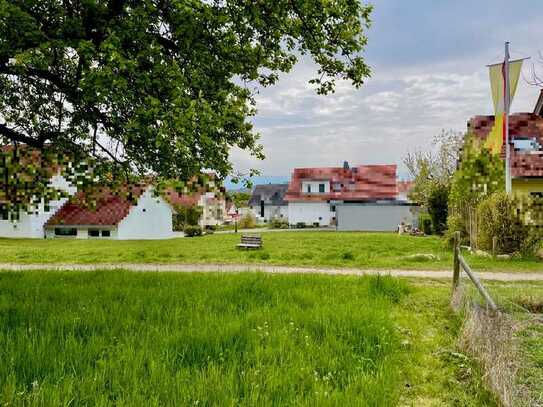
(405, 186)
(521, 125)
(110, 209)
(365, 182)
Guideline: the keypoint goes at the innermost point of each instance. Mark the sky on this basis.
(428, 59)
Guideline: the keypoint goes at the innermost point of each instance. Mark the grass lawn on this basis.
(333, 249)
(101, 338)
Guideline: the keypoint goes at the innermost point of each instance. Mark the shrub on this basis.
(426, 224)
(278, 223)
(499, 216)
(438, 208)
(192, 231)
(247, 222)
(186, 216)
(456, 223)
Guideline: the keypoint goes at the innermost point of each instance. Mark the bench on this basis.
(250, 242)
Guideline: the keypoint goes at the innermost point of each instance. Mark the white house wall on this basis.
(31, 225)
(153, 223)
(82, 232)
(309, 213)
(367, 217)
(270, 212)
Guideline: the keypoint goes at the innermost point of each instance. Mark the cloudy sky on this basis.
(429, 73)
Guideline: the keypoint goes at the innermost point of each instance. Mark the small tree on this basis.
(438, 208)
(186, 216)
(500, 217)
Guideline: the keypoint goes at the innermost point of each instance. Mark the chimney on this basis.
(345, 165)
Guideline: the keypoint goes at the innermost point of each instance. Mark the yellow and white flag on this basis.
(496, 138)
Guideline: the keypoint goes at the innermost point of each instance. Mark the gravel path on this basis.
(184, 268)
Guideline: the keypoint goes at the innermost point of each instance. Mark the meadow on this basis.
(102, 338)
(317, 249)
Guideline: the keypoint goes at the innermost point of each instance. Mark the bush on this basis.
(186, 216)
(438, 208)
(426, 224)
(247, 222)
(456, 223)
(499, 216)
(192, 231)
(278, 223)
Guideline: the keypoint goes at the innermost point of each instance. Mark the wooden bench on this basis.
(250, 242)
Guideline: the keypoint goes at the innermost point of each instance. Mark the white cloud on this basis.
(402, 107)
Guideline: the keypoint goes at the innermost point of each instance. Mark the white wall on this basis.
(82, 232)
(375, 217)
(153, 223)
(310, 212)
(31, 225)
(270, 212)
(315, 187)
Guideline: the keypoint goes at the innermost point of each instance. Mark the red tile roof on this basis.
(365, 182)
(185, 200)
(405, 186)
(521, 125)
(109, 210)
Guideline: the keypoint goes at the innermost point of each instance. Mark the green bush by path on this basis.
(290, 248)
(102, 338)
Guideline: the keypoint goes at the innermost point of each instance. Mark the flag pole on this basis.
(506, 102)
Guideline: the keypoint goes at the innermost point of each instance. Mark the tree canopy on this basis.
(163, 87)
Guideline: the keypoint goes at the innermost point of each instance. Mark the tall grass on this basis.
(121, 338)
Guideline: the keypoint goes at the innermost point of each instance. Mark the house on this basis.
(232, 212)
(29, 223)
(359, 198)
(526, 147)
(404, 187)
(267, 202)
(132, 212)
(212, 205)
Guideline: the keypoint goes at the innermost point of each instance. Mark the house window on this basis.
(4, 214)
(94, 233)
(106, 233)
(65, 231)
(144, 210)
(309, 189)
(332, 208)
(536, 194)
(321, 188)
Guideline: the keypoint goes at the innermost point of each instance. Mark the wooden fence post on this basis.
(456, 265)
(494, 245)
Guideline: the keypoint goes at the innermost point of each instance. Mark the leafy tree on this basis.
(240, 199)
(161, 87)
(480, 173)
(433, 169)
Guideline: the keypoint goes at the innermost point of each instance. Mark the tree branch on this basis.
(22, 138)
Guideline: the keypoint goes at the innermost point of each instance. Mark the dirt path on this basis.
(184, 268)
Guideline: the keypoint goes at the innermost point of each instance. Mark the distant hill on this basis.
(259, 180)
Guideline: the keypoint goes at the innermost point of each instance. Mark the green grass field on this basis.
(102, 338)
(333, 249)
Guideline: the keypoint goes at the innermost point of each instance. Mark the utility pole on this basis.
(506, 103)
